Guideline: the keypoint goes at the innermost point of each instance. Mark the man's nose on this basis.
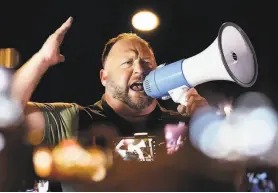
(140, 68)
(137, 67)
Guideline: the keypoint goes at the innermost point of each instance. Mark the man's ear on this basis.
(103, 77)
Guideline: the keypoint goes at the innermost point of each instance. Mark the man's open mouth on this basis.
(137, 86)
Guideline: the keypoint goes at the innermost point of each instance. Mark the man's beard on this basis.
(122, 95)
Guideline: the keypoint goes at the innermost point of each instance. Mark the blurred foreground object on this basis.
(249, 131)
(10, 110)
(9, 57)
(260, 181)
(174, 136)
(2, 141)
(69, 161)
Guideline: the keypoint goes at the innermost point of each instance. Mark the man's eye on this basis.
(146, 62)
(128, 62)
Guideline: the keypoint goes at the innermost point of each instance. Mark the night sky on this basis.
(187, 27)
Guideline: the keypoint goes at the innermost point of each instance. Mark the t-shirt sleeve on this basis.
(61, 121)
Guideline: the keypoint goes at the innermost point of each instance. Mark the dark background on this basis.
(187, 27)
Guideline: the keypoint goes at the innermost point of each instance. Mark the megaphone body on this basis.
(230, 57)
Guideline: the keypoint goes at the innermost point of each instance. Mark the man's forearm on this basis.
(27, 78)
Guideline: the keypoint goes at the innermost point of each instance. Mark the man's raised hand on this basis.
(50, 51)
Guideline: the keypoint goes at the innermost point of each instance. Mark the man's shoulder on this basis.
(97, 111)
(54, 105)
(93, 112)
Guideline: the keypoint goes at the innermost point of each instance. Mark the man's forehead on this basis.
(131, 45)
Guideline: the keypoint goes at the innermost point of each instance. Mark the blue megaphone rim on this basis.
(247, 40)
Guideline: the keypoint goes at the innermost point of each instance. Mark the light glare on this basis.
(145, 21)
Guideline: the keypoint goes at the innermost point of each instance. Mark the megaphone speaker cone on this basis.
(238, 55)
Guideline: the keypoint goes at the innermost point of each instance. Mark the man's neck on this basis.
(129, 114)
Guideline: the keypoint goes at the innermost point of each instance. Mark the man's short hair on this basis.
(113, 41)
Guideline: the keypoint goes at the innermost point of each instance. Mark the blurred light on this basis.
(168, 135)
(251, 100)
(245, 133)
(227, 109)
(99, 174)
(9, 57)
(43, 186)
(5, 80)
(2, 141)
(72, 160)
(69, 160)
(257, 132)
(145, 21)
(209, 141)
(204, 130)
(10, 112)
(140, 134)
(42, 160)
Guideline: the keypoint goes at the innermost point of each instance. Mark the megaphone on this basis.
(230, 57)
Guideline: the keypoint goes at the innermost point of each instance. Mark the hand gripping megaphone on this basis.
(230, 57)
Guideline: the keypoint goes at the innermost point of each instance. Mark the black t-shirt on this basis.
(186, 170)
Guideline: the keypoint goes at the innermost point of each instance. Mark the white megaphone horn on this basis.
(230, 57)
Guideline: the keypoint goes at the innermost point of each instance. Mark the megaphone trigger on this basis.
(178, 95)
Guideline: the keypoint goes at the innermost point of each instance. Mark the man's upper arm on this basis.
(49, 123)
(35, 123)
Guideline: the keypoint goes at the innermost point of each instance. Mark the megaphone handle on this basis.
(178, 95)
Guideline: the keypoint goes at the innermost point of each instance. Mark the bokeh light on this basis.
(10, 112)
(249, 131)
(145, 21)
(2, 141)
(5, 80)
